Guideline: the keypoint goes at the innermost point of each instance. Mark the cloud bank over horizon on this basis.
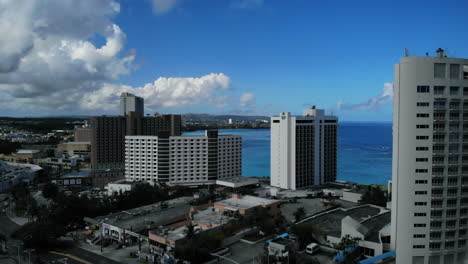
(374, 103)
(49, 62)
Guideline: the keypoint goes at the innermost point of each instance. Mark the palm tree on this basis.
(190, 231)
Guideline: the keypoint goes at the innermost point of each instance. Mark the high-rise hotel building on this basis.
(183, 160)
(430, 160)
(131, 103)
(303, 149)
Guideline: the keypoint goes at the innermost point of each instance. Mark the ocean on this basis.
(364, 151)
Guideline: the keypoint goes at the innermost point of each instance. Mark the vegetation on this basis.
(7, 147)
(68, 211)
(299, 214)
(197, 247)
(50, 191)
(345, 243)
(374, 195)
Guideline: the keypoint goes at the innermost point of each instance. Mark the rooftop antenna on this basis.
(447, 54)
(407, 52)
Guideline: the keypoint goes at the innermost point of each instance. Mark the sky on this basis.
(246, 57)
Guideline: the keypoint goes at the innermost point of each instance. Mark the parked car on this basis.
(312, 248)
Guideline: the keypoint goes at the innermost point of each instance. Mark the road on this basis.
(75, 255)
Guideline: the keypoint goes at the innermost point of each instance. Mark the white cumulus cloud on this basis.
(247, 100)
(373, 103)
(47, 60)
(165, 92)
(164, 6)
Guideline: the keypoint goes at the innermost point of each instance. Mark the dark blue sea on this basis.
(364, 151)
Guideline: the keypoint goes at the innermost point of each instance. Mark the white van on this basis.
(312, 248)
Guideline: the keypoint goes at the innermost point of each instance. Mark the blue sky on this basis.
(285, 54)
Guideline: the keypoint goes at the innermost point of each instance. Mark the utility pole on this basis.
(29, 254)
(18, 247)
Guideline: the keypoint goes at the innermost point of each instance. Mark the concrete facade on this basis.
(430, 160)
(131, 103)
(183, 160)
(303, 149)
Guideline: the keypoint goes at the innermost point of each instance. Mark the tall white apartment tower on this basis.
(303, 149)
(430, 160)
(131, 103)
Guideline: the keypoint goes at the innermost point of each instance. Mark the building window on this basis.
(422, 104)
(423, 89)
(455, 71)
(422, 115)
(439, 90)
(420, 203)
(465, 72)
(419, 246)
(419, 214)
(454, 90)
(422, 126)
(422, 137)
(419, 235)
(439, 70)
(422, 148)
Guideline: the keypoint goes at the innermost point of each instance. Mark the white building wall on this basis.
(284, 129)
(188, 159)
(141, 158)
(411, 189)
(229, 156)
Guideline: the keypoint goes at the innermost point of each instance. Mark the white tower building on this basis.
(430, 160)
(303, 149)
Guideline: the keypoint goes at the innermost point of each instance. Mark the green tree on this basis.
(50, 191)
(299, 214)
(374, 195)
(345, 243)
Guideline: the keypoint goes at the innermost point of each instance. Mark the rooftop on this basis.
(236, 182)
(10, 170)
(210, 216)
(375, 224)
(28, 151)
(330, 222)
(149, 216)
(81, 173)
(246, 202)
(281, 241)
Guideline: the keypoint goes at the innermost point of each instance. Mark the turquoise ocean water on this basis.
(364, 151)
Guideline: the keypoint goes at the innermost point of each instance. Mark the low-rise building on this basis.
(169, 237)
(133, 225)
(280, 247)
(244, 205)
(369, 223)
(28, 155)
(12, 174)
(119, 186)
(75, 179)
(82, 149)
